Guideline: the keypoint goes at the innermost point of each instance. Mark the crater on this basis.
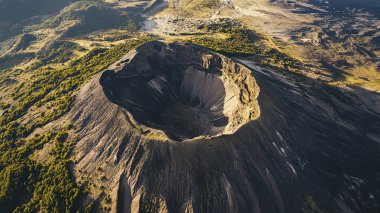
(182, 90)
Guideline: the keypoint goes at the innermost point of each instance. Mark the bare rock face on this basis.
(183, 90)
(158, 131)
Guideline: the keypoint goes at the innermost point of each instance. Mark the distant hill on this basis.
(15, 10)
(373, 5)
(89, 16)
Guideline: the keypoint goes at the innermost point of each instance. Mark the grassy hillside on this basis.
(47, 38)
(46, 187)
(90, 16)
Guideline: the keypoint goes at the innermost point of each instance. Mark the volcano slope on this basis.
(310, 148)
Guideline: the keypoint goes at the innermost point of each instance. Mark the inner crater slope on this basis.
(182, 90)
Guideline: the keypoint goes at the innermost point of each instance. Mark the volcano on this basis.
(183, 90)
(176, 127)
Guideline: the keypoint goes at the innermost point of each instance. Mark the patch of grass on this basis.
(235, 40)
(48, 187)
(4, 106)
(55, 189)
(238, 41)
(59, 52)
(90, 16)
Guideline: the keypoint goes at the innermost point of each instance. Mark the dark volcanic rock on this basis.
(312, 148)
